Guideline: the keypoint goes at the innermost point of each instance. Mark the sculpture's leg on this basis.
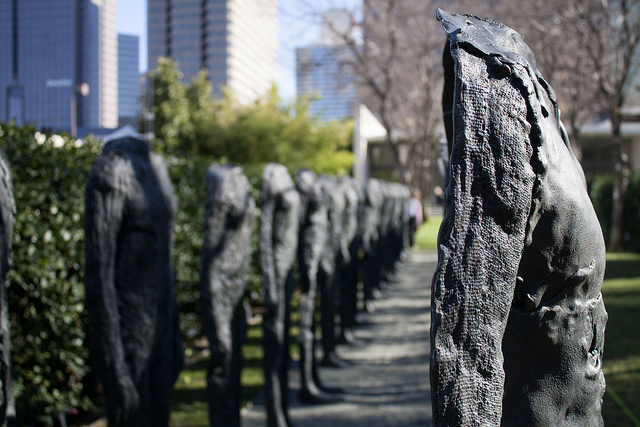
(308, 389)
(272, 342)
(328, 315)
(286, 343)
(224, 392)
(349, 295)
(217, 387)
(238, 335)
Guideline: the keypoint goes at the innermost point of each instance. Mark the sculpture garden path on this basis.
(386, 383)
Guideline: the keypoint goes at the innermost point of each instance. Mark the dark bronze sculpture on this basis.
(370, 241)
(311, 246)
(517, 315)
(133, 315)
(7, 211)
(279, 224)
(350, 262)
(226, 255)
(329, 274)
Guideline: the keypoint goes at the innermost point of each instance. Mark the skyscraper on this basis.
(324, 72)
(59, 63)
(129, 84)
(235, 40)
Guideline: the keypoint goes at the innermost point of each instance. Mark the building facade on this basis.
(58, 63)
(129, 84)
(324, 71)
(323, 74)
(236, 41)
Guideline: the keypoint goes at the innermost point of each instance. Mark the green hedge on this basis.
(46, 291)
(601, 191)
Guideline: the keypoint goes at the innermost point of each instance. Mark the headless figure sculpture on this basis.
(133, 315)
(311, 244)
(517, 315)
(7, 212)
(370, 240)
(349, 267)
(226, 255)
(279, 224)
(329, 274)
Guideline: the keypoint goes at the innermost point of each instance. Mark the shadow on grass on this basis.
(621, 293)
(622, 266)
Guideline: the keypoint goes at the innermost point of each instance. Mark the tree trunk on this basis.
(620, 184)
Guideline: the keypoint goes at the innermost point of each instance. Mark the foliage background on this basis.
(600, 191)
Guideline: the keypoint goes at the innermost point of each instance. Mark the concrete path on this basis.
(387, 381)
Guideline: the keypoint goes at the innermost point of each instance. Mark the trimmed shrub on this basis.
(46, 290)
(632, 214)
(601, 191)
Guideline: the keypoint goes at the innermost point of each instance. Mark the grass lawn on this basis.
(621, 364)
(427, 234)
(190, 407)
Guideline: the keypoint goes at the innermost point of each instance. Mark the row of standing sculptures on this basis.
(320, 224)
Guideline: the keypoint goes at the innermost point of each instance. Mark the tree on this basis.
(399, 67)
(190, 121)
(172, 124)
(201, 109)
(264, 132)
(400, 77)
(608, 33)
(558, 58)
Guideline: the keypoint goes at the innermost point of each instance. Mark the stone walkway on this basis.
(387, 381)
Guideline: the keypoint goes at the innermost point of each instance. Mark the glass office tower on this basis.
(324, 74)
(58, 63)
(324, 70)
(235, 40)
(129, 84)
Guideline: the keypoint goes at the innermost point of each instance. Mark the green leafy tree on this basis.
(265, 132)
(172, 122)
(201, 111)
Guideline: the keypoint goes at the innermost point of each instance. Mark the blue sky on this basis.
(298, 26)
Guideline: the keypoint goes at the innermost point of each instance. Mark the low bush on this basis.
(46, 291)
(601, 191)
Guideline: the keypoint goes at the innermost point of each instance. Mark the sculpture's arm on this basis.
(104, 207)
(480, 243)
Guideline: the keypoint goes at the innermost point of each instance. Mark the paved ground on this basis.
(387, 381)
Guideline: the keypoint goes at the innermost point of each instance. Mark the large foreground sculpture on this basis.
(517, 315)
(132, 310)
(226, 256)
